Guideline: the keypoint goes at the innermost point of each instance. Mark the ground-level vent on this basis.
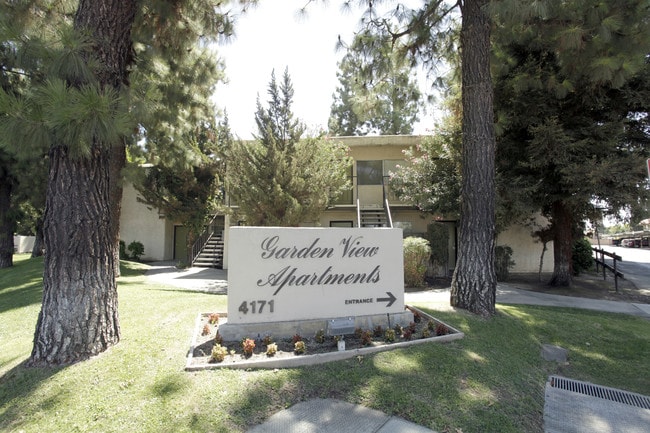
(611, 394)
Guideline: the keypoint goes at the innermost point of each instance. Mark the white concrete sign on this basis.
(278, 274)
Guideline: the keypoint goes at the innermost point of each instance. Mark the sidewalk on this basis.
(335, 416)
(507, 294)
(216, 281)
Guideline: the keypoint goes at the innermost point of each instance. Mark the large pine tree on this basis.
(79, 316)
(428, 34)
(19, 164)
(473, 286)
(83, 108)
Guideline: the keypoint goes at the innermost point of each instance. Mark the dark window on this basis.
(369, 172)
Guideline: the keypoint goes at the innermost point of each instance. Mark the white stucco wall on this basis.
(139, 222)
(526, 252)
(23, 244)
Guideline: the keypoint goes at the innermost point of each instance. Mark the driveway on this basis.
(635, 265)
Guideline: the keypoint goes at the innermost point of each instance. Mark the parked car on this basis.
(628, 243)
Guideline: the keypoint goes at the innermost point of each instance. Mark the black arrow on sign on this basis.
(391, 299)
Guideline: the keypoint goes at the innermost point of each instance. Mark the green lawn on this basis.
(490, 381)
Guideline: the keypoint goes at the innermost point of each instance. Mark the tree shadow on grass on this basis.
(21, 285)
(20, 385)
(473, 384)
(491, 380)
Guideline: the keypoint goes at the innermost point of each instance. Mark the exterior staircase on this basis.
(373, 218)
(211, 256)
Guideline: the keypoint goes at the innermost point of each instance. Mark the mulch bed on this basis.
(317, 348)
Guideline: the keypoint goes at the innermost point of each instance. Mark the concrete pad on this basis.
(572, 412)
(554, 353)
(334, 416)
(507, 294)
(643, 307)
(398, 425)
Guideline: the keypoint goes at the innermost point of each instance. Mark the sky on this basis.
(274, 36)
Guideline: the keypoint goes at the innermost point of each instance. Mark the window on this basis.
(341, 224)
(347, 196)
(369, 172)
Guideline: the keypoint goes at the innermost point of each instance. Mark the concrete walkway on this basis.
(216, 281)
(335, 416)
(507, 294)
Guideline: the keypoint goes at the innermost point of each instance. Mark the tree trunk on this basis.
(562, 220)
(474, 283)
(118, 160)
(39, 243)
(79, 315)
(541, 261)
(6, 222)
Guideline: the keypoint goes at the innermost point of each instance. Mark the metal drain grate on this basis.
(612, 394)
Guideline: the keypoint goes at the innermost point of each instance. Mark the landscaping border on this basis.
(310, 359)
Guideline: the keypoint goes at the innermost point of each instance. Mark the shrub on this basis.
(416, 256)
(503, 262)
(205, 330)
(441, 329)
(378, 331)
(438, 237)
(213, 318)
(267, 340)
(247, 346)
(137, 250)
(320, 336)
(426, 333)
(218, 339)
(271, 349)
(218, 353)
(412, 327)
(582, 256)
(299, 347)
(296, 338)
(389, 336)
(366, 337)
(123, 254)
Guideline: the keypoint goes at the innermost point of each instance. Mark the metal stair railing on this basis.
(202, 240)
(388, 215)
(358, 214)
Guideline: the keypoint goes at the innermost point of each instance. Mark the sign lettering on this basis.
(278, 274)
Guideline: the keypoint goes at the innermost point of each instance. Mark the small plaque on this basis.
(340, 326)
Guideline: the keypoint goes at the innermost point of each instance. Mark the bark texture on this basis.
(563, 225)
(39, 241)
(118, 160)
(79, 315)
(6, 222)
(474, 283)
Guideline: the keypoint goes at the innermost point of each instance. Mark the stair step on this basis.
(211, 256)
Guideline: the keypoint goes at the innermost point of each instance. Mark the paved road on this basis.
(635, 264)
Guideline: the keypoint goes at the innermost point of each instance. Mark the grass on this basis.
(490, 381)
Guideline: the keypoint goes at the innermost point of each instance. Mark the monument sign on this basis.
(283, 274)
